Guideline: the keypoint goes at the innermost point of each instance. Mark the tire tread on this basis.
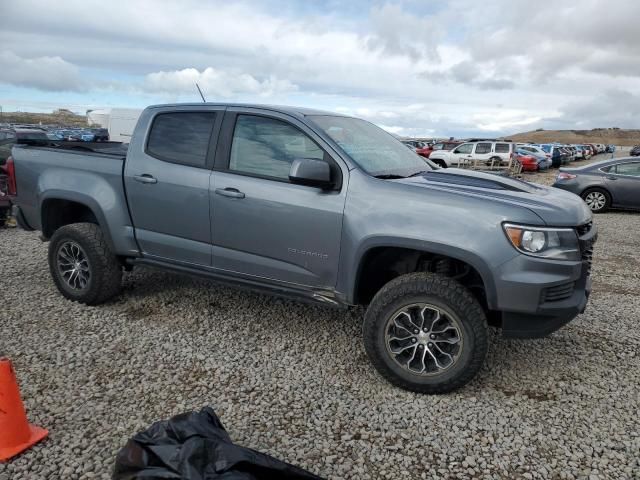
(448, 290)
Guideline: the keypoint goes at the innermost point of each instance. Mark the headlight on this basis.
(553, 243)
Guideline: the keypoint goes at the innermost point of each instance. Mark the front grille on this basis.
(557, 293)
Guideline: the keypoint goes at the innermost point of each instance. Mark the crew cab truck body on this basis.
(324, 208)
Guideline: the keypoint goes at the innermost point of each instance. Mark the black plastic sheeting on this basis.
(196, 446)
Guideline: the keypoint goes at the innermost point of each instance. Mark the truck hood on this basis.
(555, 207)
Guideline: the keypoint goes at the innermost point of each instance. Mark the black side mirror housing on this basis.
(311, 172)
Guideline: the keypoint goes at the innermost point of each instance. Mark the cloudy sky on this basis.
(430, 67)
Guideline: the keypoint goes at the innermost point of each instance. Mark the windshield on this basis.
(375, 151)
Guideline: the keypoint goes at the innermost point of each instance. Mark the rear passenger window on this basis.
(483, 148)
(181, 137)
(267, 147)
(632, 169)
(502, 148)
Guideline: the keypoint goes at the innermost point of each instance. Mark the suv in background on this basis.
(488, 152)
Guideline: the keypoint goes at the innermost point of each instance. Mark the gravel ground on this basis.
(293, 380)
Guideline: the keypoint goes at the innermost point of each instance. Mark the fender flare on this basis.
(457, 253)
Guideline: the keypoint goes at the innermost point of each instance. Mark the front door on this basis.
(167, 176)
(263, 225)
(461, 154)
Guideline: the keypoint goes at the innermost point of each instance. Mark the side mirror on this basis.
(311, 172)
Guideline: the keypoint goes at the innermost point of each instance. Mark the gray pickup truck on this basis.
(319, 207)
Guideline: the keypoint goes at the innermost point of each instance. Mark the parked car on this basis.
(528, 161)
(613, 183)
(580, 155)
(486, 152)
(556, 154)
(449, 145)
(569, 151)
(100, 134)
(10, 136)
(421, 148)
(87, 136)
(635, 151)
(542, 162)
(280, 199)
(611, 148)
(587, 153)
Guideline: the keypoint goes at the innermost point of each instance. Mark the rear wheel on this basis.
(426, 333)
(597, 199)
(82, 265)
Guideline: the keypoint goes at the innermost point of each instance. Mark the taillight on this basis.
(10, 167)
(566, 176)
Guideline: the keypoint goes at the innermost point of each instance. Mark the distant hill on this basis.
(615, 136)
(60, 117)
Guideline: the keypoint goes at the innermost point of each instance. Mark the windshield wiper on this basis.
(389, 176)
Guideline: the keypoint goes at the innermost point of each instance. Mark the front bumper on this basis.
(537, 297)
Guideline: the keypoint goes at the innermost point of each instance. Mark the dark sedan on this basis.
(613, 183)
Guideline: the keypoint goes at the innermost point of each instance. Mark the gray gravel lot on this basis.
(293, 380)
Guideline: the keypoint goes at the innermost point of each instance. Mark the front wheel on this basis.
(82, 265)
(426, 333)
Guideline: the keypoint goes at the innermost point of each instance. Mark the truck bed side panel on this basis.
(92, 179)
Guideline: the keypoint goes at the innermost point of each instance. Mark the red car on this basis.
(448, 145)
(529, 162)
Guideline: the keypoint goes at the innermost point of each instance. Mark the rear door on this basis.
(503, 150)
(623, 181)
(167, 182)
(482, 152)
(263, 225)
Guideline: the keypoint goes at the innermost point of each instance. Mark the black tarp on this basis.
(196, 446)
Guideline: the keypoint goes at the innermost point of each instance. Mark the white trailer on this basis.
(119, 121)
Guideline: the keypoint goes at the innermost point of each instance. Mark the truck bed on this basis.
(84, 172)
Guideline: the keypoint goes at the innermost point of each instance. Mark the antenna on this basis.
(200, 92)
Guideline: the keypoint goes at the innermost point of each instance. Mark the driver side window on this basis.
(267, 147)
(465, 148)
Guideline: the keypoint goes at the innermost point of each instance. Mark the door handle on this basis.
(230, 192)
(611, 177)
(145, 178)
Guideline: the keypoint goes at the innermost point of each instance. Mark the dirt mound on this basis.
(615, 136)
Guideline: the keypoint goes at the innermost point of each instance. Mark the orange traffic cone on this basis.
(16, 435)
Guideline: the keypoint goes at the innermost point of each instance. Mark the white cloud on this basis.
(464, 63)
(44, 73)
(215, 83)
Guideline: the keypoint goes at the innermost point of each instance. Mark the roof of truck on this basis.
(297, 111)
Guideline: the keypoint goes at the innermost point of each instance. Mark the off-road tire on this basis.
(436, 290)
(106, 271)
(607, 196)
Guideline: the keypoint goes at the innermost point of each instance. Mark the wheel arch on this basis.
(410, 256)
(60, 208)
